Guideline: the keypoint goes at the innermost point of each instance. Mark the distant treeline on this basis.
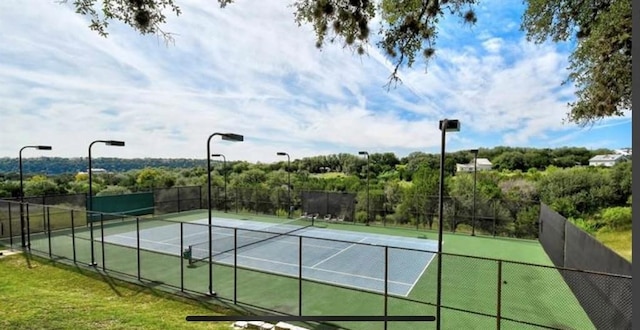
(503, 158)
(57, 165)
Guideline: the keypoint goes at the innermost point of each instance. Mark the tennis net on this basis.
(223, 239)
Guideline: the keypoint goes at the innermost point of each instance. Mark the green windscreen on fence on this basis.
(118, 205)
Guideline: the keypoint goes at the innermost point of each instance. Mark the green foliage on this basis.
(40, 185)
(526, 222)
(589, 226)
(617, 218)
(600, 66)
(282, 213)
(150, 178)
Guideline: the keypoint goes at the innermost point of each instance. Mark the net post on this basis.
(48, 215)
(73, 236)
(300, 275)
(235, 266)
(10, 229)
(102, 240)
(499, 301)
(138, 247)
(181, 258)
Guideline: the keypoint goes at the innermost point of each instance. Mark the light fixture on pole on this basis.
(22, 221)
(113, 143)
(446, 125)
(224, 167)
(288, 181)
(368, 211)
(475, 172)
(226, 137)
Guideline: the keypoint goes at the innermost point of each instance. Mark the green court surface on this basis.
(473, 279)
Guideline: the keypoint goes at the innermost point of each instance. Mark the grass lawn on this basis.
(37, 294)
(618, 241)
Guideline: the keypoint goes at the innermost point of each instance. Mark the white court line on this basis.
(321, 270)
(433, 255)
(335, 254)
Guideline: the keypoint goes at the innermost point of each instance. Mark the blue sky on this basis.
(251, 70)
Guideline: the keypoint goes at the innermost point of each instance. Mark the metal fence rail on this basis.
(486, 292)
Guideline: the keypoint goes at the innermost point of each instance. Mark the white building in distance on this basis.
(607, 160)
(482, 164)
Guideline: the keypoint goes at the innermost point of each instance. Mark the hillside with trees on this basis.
(402, 191)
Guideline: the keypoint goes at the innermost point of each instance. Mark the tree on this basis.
(600, 66)
(40, 185)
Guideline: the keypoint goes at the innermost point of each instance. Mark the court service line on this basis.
(335, 254)
(322, 270)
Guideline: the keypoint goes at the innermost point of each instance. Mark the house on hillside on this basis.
(607, 160)
(482, 164)
(624, 151)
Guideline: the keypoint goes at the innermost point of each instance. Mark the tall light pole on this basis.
(368, 213)
(226, 137)
(288, 180)
(113, 143)
(224, 166)
(22, 222)
(475, 172)
(446, 125)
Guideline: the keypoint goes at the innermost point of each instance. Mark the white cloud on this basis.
(250, 69)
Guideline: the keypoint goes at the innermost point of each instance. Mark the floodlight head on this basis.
(281, 153)
(43, 147)
(453, 125)
(115, 143)
(363, 153)
(474, 151)
(216, 155)
(232, 137)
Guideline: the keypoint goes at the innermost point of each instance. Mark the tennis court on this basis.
(350, 259)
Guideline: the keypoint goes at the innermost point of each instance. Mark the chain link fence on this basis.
(475, 291)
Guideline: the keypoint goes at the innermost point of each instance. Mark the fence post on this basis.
(73, 236)
(236, 200)
(386, 283)
(179, 208)
(28, 228)
(454, 214)
(494, 218)
(499, 301)
(181, 257)
(10, 229)
(235, 265)
(102, 240)
(44, 218)
(49, 232)
(138, 246)
(300, 276)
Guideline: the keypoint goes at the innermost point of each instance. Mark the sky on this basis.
(250, 69)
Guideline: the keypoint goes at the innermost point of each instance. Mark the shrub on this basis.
(282, 213)
(617, 217)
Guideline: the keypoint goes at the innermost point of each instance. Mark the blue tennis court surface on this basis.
(328, 256)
